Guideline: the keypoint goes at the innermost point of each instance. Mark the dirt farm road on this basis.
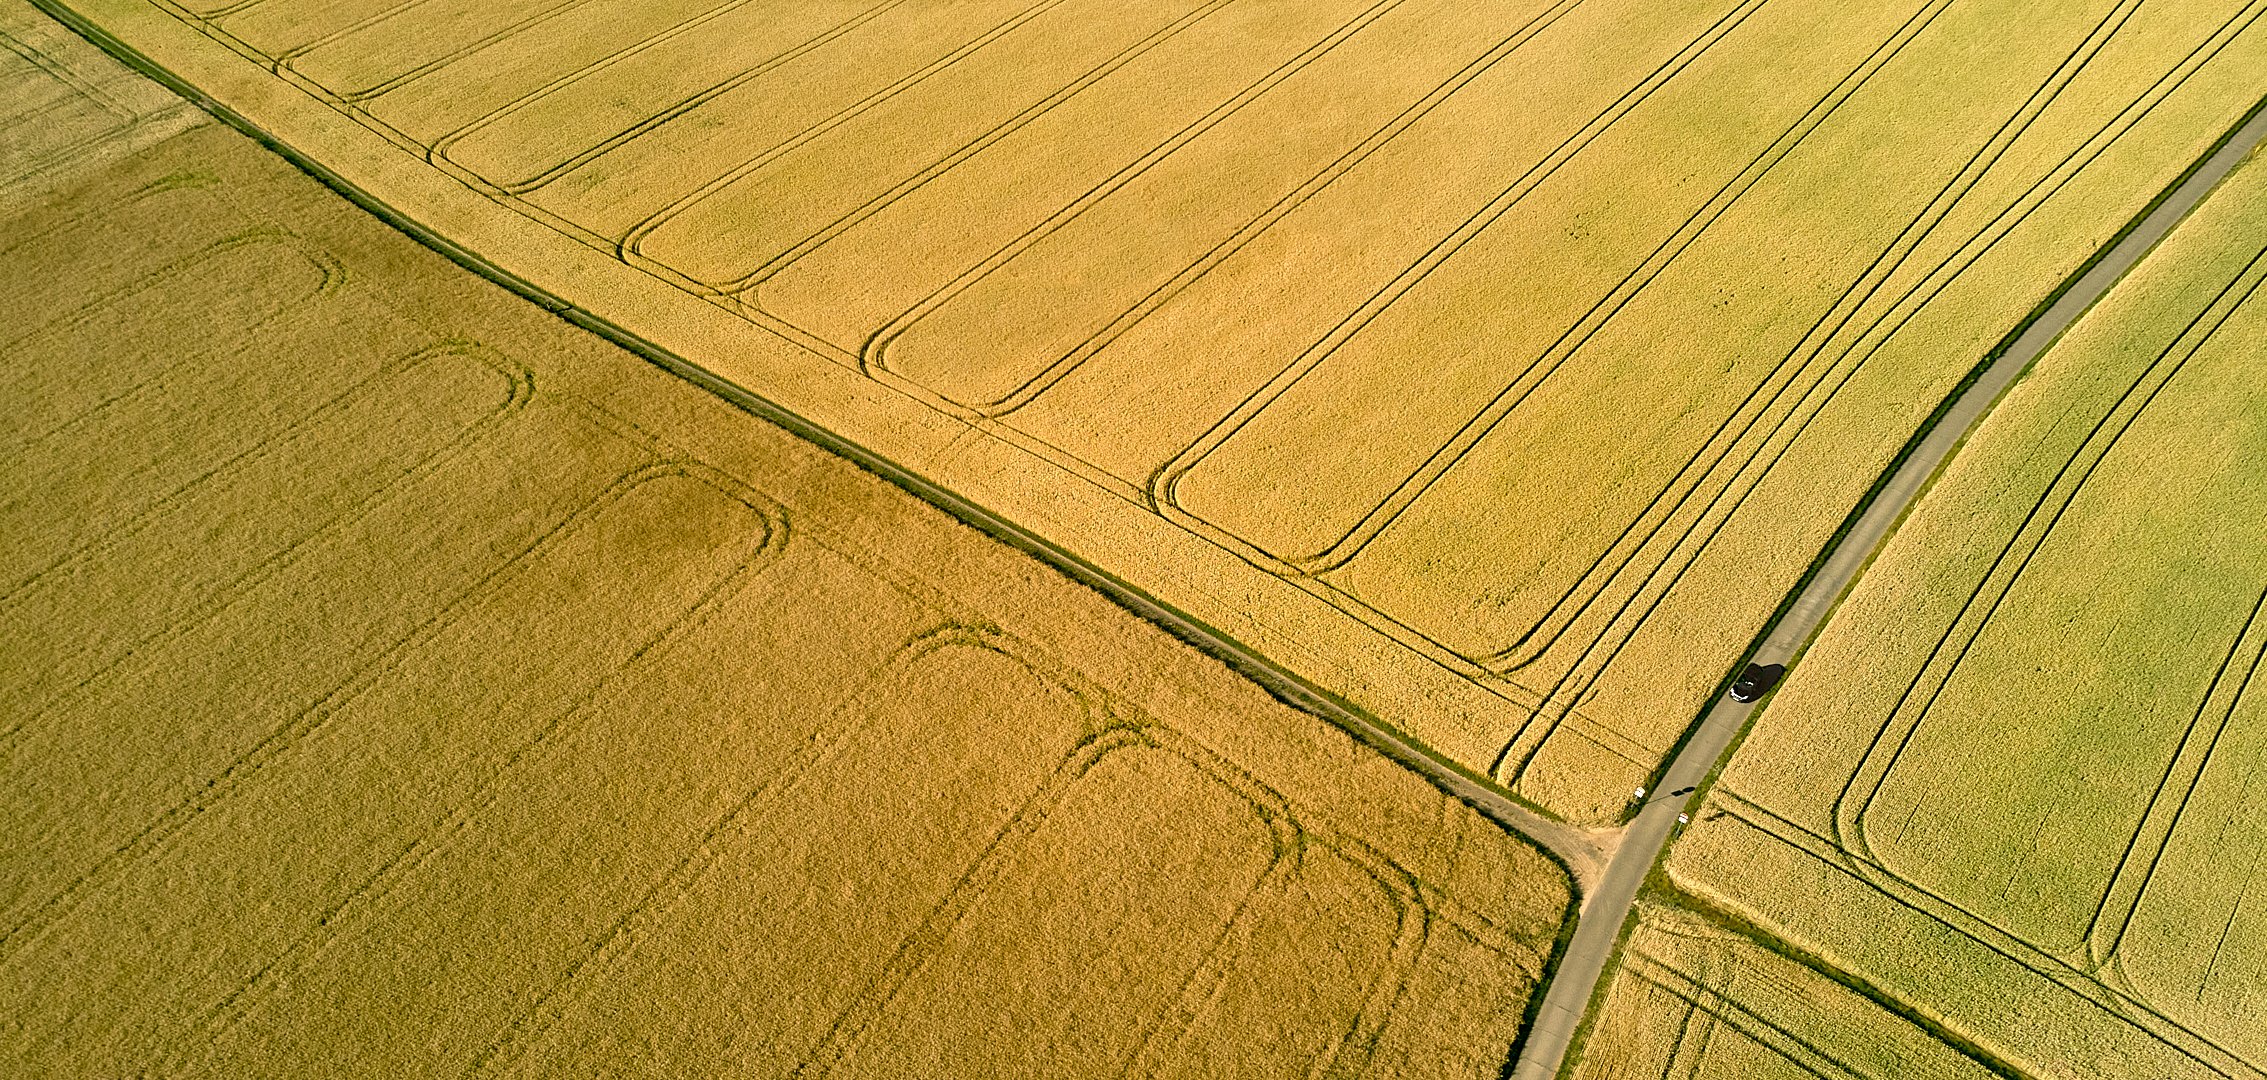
(1606, 907)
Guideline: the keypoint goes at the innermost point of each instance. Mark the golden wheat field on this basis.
(60, 119)
(401, 682)
(1498, 366)
(2016, 784)
(1695, 1001)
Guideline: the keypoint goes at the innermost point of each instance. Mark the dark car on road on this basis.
(1757, 681)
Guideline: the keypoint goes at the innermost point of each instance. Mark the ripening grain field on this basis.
(58, 120)
(2017, 783)
(400, 682)
(1498, 365)
(1693, 1000)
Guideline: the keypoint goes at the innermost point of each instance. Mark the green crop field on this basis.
(1695, 1001)
(2017, 785)
(1498, 367)
(398, 681)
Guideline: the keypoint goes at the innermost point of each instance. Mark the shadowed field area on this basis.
(2016, 785)
(402, 682)
(1498, 366)
(65, 108)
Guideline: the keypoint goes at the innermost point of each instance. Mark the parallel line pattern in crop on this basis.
(64, 116)
(1693, 999)
(355, 660)
(2172, 986)
(1144, 245)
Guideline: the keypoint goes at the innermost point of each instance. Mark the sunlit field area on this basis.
(1136, 539)
(2015, 786)
(400, 682)
(1498, 367)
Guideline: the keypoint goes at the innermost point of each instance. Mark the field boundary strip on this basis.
(123, 115)
(1486, 679)
(1625, 583)
(1579, 981)
(1849, 845)
(1580, 852)
(2083, 979)
(1912, 901)
(1423, 651)
(1846, 851)
(1730, 927)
